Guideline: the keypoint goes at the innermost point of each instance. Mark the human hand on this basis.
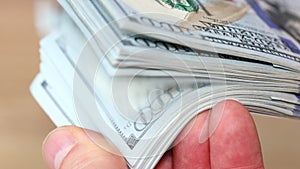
(224, 137)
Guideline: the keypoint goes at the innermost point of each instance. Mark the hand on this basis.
(224, 137)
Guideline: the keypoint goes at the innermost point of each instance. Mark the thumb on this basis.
(76, 148)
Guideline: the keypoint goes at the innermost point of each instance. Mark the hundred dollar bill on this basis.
(71, 58)
(70, 44)
(141, 136)
(245, 31)
(222, 69)
(245, 65)
(142, 115)
(61, 53)
(110, 38)
(140, 139)
(52, 93)
(48, 98)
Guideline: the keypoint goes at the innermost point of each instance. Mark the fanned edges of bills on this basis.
(253, 36)
(60, 52)
(142, 123)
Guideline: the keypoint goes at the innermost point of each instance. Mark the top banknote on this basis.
(234, 27)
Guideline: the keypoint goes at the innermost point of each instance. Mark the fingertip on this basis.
(234, 140)
(189, 152)
(225, 111)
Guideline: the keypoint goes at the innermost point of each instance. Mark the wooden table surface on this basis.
(23, 125)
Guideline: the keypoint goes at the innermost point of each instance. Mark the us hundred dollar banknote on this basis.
(138, 139)
(142, 115)
(238, 27)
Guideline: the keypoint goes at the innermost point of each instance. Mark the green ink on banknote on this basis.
(185, 5)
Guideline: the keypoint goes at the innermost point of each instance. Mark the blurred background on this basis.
(23, 125)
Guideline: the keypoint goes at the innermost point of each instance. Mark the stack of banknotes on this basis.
(138, 70)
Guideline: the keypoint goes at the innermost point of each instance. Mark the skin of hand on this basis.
(224, 137)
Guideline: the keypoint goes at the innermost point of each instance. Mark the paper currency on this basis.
(139, 83)
(241, 38)
(141, 44)
(58, 70)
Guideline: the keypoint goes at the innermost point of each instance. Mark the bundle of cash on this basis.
(138, 71)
